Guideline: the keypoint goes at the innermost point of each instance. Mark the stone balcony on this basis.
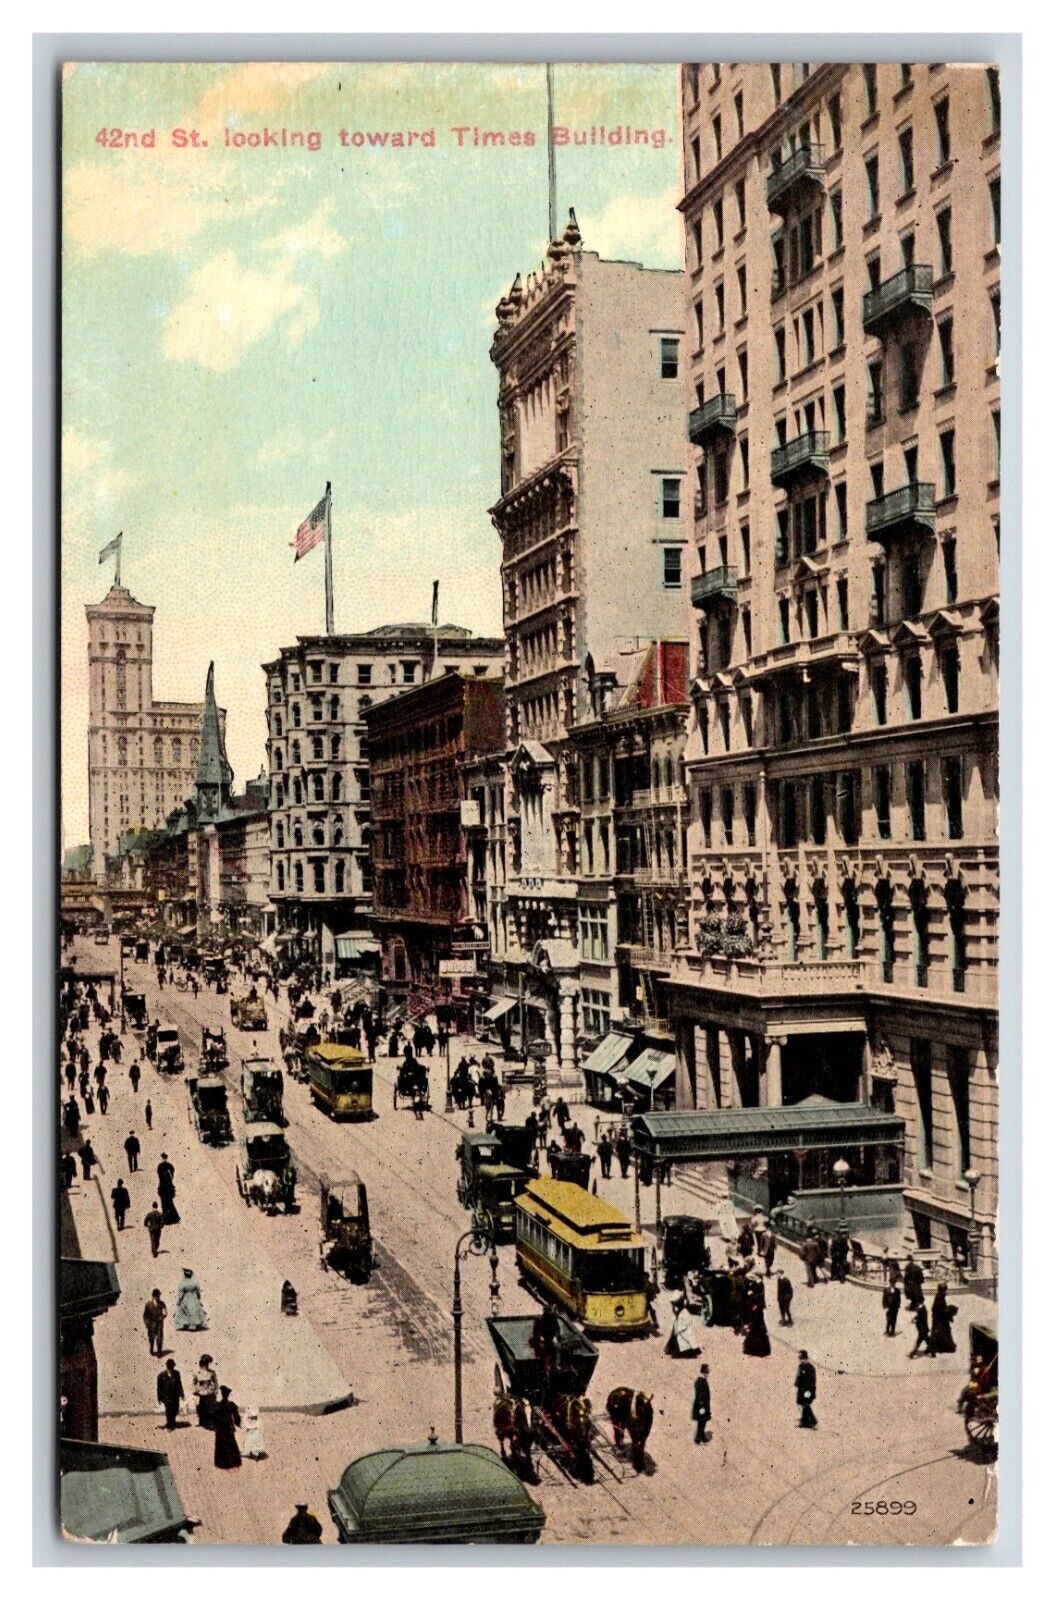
(796, 177)
(775, 979)
(717, 415)
(713, 588)
(908, 293)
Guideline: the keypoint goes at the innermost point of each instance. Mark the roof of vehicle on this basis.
(581, 1219)
(263, 1130)
(498, 1169)
(418, 1493)
(337, 1055)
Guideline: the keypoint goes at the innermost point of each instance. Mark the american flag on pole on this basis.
(312, 530)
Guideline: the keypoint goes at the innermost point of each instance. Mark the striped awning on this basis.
(501, 1008)
(608, 1057)
(650, 1070)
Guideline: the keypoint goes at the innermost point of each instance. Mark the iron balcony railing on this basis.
(910, 506)
(910, 290)
(716, 413)
(719, 583)
(803, 166)
(807, 452)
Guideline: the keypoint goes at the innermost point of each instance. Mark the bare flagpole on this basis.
(551, 154)
(329, 561)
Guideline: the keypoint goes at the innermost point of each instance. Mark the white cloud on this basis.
(230, 307)
(131, 206)
(315, 235)
(634, 229)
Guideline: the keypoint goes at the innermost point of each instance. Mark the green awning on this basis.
(650, 1070)
(609, 1055)
(761, 1130)
(112, 1495)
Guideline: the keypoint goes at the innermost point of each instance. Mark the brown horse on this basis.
(571, 1414)
(514, 1427)
(630, 1412)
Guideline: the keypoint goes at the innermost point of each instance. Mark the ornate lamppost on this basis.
(475, 1242)
(841, 1171)
(972, 1179)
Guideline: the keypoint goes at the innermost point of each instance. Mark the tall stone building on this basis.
(842, 229)
(318, 693)
(594, 521)
(142, 752)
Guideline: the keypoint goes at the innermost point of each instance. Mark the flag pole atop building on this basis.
(435, 626)
(551, 153)
(113, 549)
(329, 559)
(317, 528)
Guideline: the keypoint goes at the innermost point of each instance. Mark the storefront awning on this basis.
(113, 1495)
(501, 1008)
(761, 1131)
(650, 1070)
(608, 1055)
(351, 947)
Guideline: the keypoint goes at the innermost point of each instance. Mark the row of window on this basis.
(318, 877)
(318, 751)
(314, 788)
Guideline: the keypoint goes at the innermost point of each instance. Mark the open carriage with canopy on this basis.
(346, 1243)
(412, 1084)
(979, 1399)
(169, 1056)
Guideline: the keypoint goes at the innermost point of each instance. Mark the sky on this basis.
(240, 324)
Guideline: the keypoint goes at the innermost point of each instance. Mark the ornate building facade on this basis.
(842, 230)
(142, 752)
(594, 523)
(319, 691)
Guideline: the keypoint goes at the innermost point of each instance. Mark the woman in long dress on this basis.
(941, 1315)
(253, 1442)
(756, 1338)
(206, 1391)
(227, 1419)
(684, 1337)
(190, 1313)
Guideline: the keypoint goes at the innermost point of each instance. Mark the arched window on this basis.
(336, 785)
(280, 836)
(294, 752)
(318, 786)
(177, 752)
(318, 835)
(335, 707)
(298, 792)
(338, 834)
(298, 835)
(364, 704)
(298, 877)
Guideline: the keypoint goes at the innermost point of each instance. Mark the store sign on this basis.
(457, 969)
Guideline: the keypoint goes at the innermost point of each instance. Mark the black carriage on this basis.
(571, 1166)
(169, 1056)
(209, 1113)
(264, 1172)
(213, 1057)
(262, 1092)
(979, 1399)
(684, 1248)
(135, 1008)
(495, 1168)
(346, 1244)
(412, 1084)
(548, 1363)
(718, 1297)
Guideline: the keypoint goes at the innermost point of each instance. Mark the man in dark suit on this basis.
(913, 1281)
(806, 1390)
(891, 1305)
(170, 1392)
(701, 1404)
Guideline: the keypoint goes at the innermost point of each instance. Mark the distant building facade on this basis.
(319, 692)
(142, 752)
(419, 744)
(843, 266)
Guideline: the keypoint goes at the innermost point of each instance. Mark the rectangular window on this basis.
(875, 392)
(950, 677)
(784, 614)
(906, 74)
(740, 192)
(745, 463)
(842, 605)
(992, 78)
(738, 110)
(835, 122)
(750, 811)
(952, 795)
(745, 548)
(838, 322)
(996, 446)
(947, 442)
(946, 353)
(835, 203)
(670, 498)
(868, 74)
(741, 361)
(716, 128)
(697, 312)
(908, 173)
(922, 1080)
(362, 673)
(847, 800)
(719, 306)
(839, 410)
(908, 377)
(959, 1071)
(917, 800)
(809, 349)
(872, 182)
(774, 73)
(913, 687)
(911, 585)
(944, 225)
(727, 816)
(948, 553)
(741, 288)
(694, 148)
(705, 817)
(841, 520)
(941, 131)
(672, 567)
(882, 799)
(719, 225)
(668, 358)
(879, 682)
(782, 540)
(810, 602)
(780, 354)
(319, 872)
(994, 302)
(818, 816)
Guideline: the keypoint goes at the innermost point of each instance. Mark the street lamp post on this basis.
(474, 1242)
(121, 979)
(972, 1179)
(841, 1171)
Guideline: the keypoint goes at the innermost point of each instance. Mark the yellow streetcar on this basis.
(584, 1254)
(340, 1080)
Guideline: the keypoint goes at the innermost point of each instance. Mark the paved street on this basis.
(888, 1429)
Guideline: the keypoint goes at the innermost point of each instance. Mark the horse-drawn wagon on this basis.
(262, 1091)
(495, 1168)
(346, 1244)
(248, 1012)
(978, 1399)
(412, 1084)
(264, 1172)
(135, 1009)
(169, 1057)
(213, 1054)
(209, 1113)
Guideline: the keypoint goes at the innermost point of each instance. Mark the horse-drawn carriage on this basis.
(135, 1008)
(684, 1248)
(344, 1216)
(248, 1012)
(296, 1040)
(262, 1092)
(209, 1113)
(213, 1056)
(412, 1084)
(169, 1057)
(571, 1166)
(543, 1370)
(495, 1168)
(264, 1172)
(717, 1296)
(978, 1399)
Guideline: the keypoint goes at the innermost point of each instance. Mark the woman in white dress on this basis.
(253, 1443)
(190, 1313)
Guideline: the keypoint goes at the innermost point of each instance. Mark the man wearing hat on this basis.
(701, 1404)
(806, 1390)
(303, 1527)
